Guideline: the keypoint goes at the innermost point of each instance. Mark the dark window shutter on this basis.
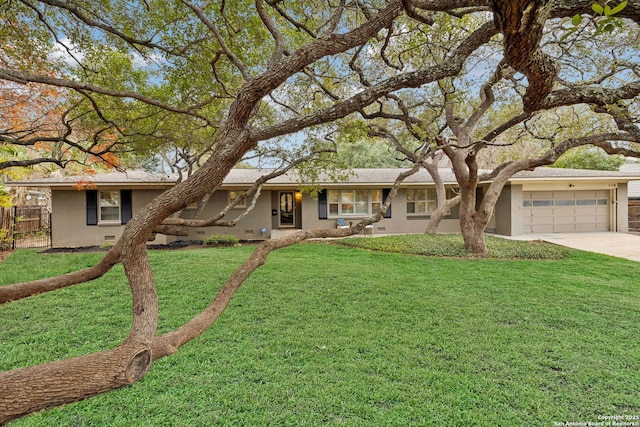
(126, 209)
(385, 193)
(92, 207)
(322, 204)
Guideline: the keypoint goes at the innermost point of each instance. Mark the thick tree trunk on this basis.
(474, 242)
(472, 223)
(34, 388)
(522, 23)
(26, 390)
(472, 228)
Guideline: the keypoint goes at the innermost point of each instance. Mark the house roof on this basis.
(555, 174)
(359, 177)
(134, 178)
(370, 177)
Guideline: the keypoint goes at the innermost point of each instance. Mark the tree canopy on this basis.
(456, 77)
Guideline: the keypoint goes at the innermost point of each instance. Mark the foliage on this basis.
(604, 18)
(220, 239)
(356, 149)
(589, 158)
(452, 245)
(5, 239)
(47, 128)
(418, 341)
(367, 153)
(5, 197)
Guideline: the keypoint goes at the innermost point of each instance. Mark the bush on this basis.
(220, 239)
(452, 245)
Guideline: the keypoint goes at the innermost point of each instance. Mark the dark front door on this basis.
(287, 209)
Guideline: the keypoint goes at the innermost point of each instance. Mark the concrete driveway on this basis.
(620, 245)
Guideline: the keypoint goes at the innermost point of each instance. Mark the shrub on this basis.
(452, 245)
(5, 238)
(220, 239)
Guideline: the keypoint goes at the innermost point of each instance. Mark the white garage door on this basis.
(565, 211)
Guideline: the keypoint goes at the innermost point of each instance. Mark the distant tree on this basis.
(576, 93)
(589, 158)
(356, 148)
(368, 153)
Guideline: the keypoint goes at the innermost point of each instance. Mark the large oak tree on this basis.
(576, 87)
(252, 72)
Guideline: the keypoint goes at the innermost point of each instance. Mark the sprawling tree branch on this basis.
(24, 76)
(167, 344)
(449, 68)
(253, 192)
(234, 140)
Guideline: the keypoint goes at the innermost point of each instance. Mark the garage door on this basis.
(565, 211)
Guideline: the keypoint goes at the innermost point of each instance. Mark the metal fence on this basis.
(634, 215)
(25, 227)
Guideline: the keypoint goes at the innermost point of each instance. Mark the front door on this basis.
(287, 209)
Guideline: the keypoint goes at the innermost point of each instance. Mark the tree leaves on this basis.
(576, 20)
(604, 19)
(607, 10)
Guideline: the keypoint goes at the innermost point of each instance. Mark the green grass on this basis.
(331, 335)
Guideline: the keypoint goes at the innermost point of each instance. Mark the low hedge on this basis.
(220, 239)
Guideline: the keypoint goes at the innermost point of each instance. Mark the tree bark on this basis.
(471, 224)
(522, 24)
(443, 205)
(169, 343)
(438, 215)
(473, 236)
(31, 389)
(22, 290)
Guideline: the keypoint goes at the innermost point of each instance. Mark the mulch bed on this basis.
(179, 244)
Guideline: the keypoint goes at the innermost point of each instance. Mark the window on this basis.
(421, 201)
(376, 201)
(110, 206)
(233, 195)
(353, 202)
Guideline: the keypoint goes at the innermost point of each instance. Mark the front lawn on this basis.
(332, 335)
